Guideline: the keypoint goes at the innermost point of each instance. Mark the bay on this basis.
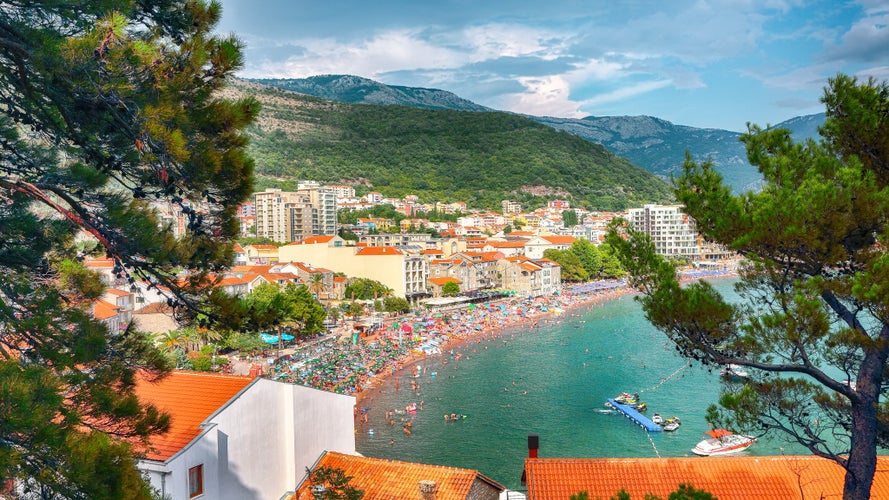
(549, 380)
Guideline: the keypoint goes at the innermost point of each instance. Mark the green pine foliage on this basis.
(447, 155)
(104, 106)
(814, 333)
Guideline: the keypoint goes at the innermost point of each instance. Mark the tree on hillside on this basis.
(104, 107)
(814, 330)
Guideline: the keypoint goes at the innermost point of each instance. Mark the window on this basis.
(196, 481)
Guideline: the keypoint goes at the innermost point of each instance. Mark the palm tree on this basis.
(316, 286)
(170, 341)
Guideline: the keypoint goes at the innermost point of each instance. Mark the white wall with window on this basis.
(258, 445)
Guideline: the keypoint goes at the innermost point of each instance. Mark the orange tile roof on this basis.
(238, 248)
(94, 263)
(104, 310)
(382, 479)
(727, 478)
(507, 244)
(115, 291)
(431, 251)
(521, 233)
(189, 398)
(312, 240)
(263, 247)
(444, 279)
(560, 240)
(379, 251)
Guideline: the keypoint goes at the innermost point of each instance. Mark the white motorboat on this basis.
(656, 418)
(671, 424)
(723, 442)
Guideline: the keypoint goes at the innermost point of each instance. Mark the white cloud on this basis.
(386, 52)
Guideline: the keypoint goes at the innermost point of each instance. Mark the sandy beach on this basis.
(555, 307)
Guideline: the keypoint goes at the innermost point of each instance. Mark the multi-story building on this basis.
(510, 207)
(672, 231)
(286, 216)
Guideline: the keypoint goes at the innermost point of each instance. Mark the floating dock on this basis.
(635, 416)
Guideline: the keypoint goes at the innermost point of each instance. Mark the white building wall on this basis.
(259, 445)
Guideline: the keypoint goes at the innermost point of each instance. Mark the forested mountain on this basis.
(480, 158)
(358, 90)
(657, 145)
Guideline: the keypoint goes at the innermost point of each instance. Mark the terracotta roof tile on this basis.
(560, 240)
(189, 398)
(382, 479)
(104, 310)
(507, 244)
(444, 279)
(727, 478)
(379, 251)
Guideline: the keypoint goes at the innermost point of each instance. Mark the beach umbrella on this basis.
(287, 336)
(268, 338)
(407, 328)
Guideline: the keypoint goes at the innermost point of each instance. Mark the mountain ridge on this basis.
(650, 142)
(441, 155)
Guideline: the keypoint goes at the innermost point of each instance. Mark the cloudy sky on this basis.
(699, 63)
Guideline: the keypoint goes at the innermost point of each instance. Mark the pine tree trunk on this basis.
(862, 462)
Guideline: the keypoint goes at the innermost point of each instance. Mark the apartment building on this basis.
(672, 231)
(286, 216)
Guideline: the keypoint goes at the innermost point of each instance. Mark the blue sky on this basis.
(700, 63)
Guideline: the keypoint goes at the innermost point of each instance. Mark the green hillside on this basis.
(480, 158)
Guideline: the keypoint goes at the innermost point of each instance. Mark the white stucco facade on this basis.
(259, 444)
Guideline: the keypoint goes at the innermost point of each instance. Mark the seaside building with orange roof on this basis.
(240, 438)
(741, 477)
(382, 479)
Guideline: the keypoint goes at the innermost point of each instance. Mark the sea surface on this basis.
(549, 380)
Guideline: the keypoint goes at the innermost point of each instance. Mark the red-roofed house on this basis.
(508, 248)
(107, 313)
(437, 284)
(530, 277)
(124, 302)
(726, 478)
(261, 254)
(535, 247)
(382, 479)
(240, 438)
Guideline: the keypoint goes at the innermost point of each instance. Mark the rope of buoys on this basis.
(665, 379)
(652, 444)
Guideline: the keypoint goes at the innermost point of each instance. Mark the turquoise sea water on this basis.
(549, 381)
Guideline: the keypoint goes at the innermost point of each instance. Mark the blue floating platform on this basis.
(635, 416)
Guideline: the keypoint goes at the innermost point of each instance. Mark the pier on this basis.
(635, 416)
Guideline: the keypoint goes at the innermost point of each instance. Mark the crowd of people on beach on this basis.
(349, 364)
(352, 363)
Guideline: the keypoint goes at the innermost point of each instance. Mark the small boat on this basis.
(656, 418)
(603, 410)
(723, 442)
(625, 398)
(734, 372)
(671, 424)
